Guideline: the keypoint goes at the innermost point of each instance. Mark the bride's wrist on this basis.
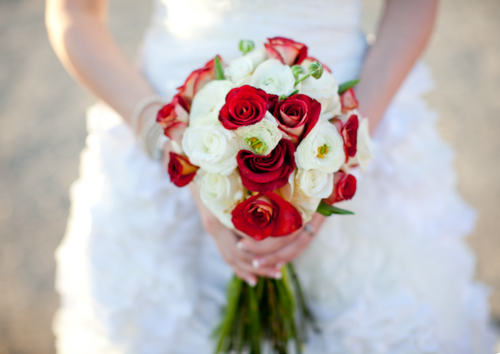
(144, 125)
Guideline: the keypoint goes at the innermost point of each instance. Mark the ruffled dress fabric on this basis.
(137, 273)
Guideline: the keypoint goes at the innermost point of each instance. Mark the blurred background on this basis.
(42, 130)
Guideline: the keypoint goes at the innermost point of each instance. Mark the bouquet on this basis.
(269, 138)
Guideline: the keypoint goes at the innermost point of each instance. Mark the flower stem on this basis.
(302, 79)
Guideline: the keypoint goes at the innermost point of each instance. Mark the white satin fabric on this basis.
(137, 273)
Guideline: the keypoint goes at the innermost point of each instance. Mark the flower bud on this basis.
(315, 69)
(297, 70)
(246, 46)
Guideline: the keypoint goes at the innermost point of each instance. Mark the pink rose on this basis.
(286, 50)
(197, 79)
(174, 118)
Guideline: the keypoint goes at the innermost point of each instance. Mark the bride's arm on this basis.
(77, 30)
(403, 33)
(79, 35)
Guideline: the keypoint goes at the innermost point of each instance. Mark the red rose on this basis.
(174, 118)
(349, 133)
(348, 101)
(286, 50)
(245, 105)
(297, 115)
(310, 60)
(181, 171)
(272, 101)
(267, 173)
(266, 214)
(197, 79)
(344, 188)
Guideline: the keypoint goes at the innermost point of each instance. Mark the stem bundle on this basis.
(271, 314)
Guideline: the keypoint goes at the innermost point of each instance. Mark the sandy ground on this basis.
(42, 131)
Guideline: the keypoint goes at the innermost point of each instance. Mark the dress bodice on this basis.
(183, 35)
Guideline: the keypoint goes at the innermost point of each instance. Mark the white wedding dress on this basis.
(137, 273)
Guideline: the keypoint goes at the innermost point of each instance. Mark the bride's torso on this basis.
(183, 35)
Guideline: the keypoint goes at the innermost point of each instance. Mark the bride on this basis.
(142, 271)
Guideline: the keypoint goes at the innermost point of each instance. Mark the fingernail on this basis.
(279, 265)
(255, 263)
(278, 275)
(251, 282)
(240, 245)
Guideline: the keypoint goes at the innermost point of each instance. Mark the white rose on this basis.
(220, 194)
(364, 147)
(306, 206)
(208, 102)
(325, 91)
(274, 78)
(322, 149)
(240, 70)
(312, 183)
(211, 147)
(260, 138)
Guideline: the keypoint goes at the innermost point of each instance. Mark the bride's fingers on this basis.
(268, 245)
(284, 254)
(268, 272)
(249, 278)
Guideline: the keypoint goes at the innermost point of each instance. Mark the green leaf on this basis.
(327, 210)
(347, 85)
(219, 70)
(293, 93)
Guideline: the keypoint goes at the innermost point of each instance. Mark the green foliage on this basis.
(327, 210)
(347, 85)
(219, 70)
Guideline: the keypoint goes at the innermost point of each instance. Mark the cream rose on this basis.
(211, 147)
(312, 183)
(260, 138)
(220, 194)
(322, 149)
(274, 78)
(325, 91)
(208, 102)
(305, 205)
(240, 70)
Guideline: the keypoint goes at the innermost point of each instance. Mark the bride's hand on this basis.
(240, 260)
(277, 251)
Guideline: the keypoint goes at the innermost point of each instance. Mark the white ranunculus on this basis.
(212, 147)
(322, 149)
(365, 149)
(260, 138)
(325, 91)
(306, 206)
(273, 77)
(240, 70)
(220, 194)
(208, 102)
(312, 183)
